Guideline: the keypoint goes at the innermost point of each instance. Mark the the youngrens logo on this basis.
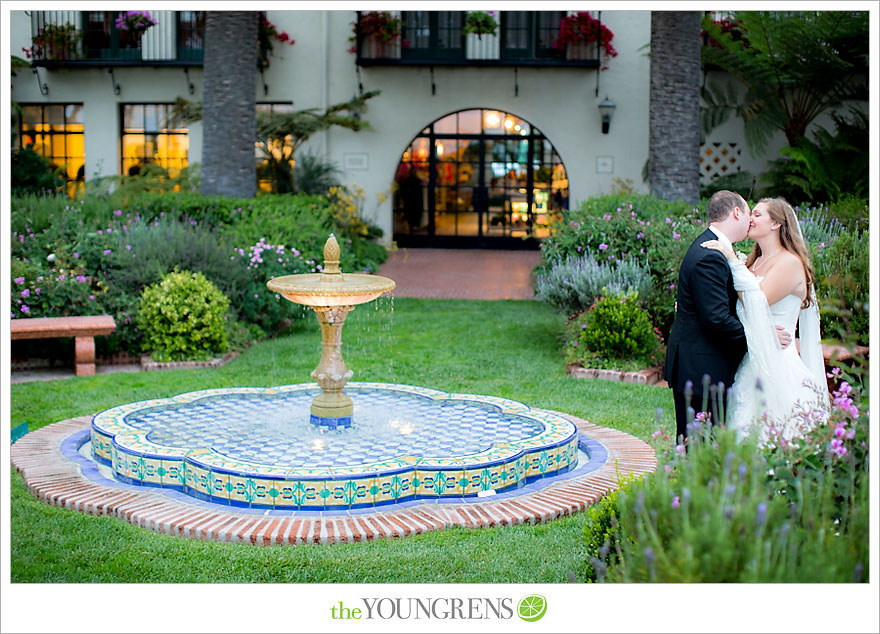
(529, 608)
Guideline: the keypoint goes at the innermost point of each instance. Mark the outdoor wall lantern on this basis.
(606, 109)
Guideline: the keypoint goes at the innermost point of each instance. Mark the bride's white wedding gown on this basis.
(775, 393)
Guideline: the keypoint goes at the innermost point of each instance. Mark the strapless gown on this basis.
(774, 394)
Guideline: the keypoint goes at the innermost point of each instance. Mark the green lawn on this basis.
(500, 348)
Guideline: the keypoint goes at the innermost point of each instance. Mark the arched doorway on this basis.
(478, 178)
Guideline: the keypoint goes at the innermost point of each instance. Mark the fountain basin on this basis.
(254, 447)
(325, 290)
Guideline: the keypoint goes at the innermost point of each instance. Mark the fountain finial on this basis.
(331, 256)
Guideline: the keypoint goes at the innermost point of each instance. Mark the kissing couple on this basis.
(735, 323)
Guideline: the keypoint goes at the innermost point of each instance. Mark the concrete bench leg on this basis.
(85, 356)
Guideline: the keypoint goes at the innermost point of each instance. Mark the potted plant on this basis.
(377, 32)
(131, 26)
(480, 23)
(55, 42)
(580, 34)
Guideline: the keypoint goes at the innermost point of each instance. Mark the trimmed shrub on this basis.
(182, 317)
(616, 328)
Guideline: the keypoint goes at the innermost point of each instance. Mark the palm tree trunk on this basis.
(229, 104)
(674, 114)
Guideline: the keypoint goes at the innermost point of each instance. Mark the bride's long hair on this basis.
(792, 241)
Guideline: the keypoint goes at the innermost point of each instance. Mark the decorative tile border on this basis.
(56, 474)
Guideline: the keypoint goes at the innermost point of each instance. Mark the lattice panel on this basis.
(719, 159)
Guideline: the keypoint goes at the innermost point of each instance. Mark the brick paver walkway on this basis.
(461, 273)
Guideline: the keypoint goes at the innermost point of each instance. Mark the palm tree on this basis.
(674, 113)
(229, 98)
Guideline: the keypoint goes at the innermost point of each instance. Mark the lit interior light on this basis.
(439, 149)
(517, 127)
(492, 119)
(508, 123)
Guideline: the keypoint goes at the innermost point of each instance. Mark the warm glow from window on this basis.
(439, 149)
(508, 123)
(492, 119)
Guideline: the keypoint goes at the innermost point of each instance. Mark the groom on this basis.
(706, 337)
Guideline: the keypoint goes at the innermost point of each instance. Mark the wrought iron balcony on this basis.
(93, 38)
(436, 38)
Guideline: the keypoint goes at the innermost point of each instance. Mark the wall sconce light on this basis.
(606, 109)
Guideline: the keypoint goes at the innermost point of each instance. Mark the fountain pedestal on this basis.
(332, 295)
(331, 408)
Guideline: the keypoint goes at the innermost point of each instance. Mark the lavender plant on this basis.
(577, 281)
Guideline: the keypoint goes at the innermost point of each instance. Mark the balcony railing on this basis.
(435, 38)
(91, 38)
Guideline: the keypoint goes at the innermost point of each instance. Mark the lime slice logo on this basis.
(532, 607)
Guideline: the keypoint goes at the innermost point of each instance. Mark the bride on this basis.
(778, 394)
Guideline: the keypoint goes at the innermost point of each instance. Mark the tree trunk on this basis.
(229, 104)
(674, 113)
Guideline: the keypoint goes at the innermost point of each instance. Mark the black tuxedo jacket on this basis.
(706, 336)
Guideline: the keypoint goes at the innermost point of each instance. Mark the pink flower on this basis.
(675, 502)
(26, 292)
(675, 236)
(117, 212)
(603, 246)
(25, 309)
(19, 280)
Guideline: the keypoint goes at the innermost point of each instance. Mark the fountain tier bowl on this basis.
(326, 290)
(254, 447)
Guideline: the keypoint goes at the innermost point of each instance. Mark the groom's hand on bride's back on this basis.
(784, 337)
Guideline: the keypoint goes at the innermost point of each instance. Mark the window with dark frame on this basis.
(57, 133)
(268, 155)
(150, 136)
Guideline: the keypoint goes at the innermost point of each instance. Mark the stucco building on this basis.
(500, 130)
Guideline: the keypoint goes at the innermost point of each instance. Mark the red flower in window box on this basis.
(582, 28)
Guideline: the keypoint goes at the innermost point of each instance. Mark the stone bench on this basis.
(83, 329)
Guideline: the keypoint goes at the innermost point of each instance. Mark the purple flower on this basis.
(679, 449)
(607, 216)
(19, 280)
(107, 251)
(671, 287)
(26, 292)
(761, 514)
(676, 502)
(37, 291)
(675, 236)
(640, 235)
(117, 212)
(75, 255)
(128, 247)
(25, 309)
(603, 246)
(80, 278)
(91, 297)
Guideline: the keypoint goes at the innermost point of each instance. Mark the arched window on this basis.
(478, 178)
